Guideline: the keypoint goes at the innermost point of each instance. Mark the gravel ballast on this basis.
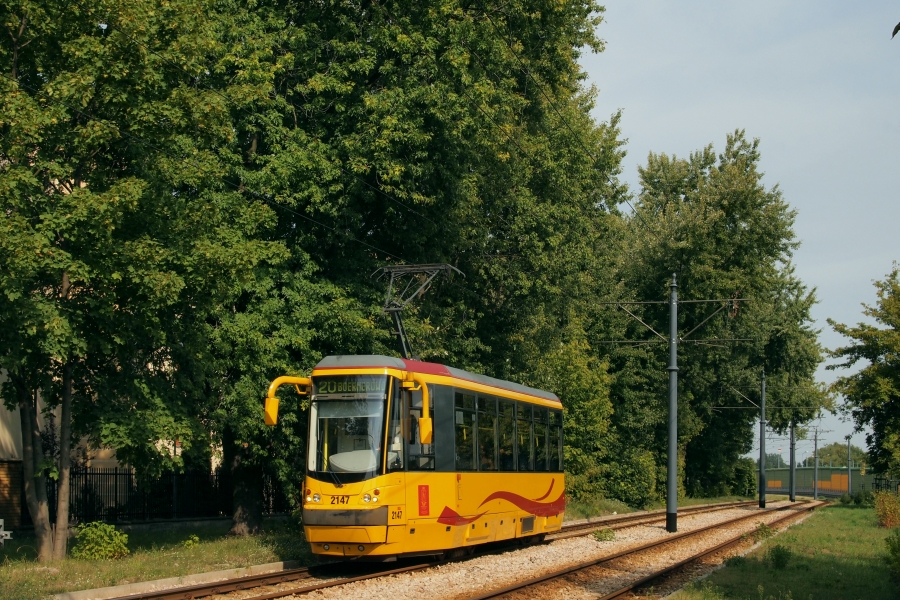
(458, 580)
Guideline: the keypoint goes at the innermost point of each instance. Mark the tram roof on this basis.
(374, 361)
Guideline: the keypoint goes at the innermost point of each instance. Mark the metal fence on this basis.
(883, 484)
(122, 495)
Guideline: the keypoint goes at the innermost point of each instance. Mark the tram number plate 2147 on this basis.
(340, 499)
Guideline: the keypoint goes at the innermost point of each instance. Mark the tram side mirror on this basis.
(271, 406)
(424, 422)
(425, 430)
(271, 411)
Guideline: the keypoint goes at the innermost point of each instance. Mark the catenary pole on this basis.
(793, 485)
(762, 442)
(816, 471)
(849, 471)
(672, 481)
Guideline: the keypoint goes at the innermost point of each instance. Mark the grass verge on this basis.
(154, 555)
(837, 553)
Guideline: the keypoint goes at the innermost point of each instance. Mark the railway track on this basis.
(633, 519)
(531, 587)
(305, 575)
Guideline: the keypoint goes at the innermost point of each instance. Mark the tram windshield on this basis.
(346, 427)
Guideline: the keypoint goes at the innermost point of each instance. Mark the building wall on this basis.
(11, 493)
(10, 430)
(831, 479)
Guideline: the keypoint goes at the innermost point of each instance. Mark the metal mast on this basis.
(672, 482)
(762, 442)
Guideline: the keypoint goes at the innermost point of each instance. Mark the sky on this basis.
(817, 82)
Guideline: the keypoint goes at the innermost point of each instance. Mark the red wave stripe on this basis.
(451, 517)
(552, 481)
(540, 509)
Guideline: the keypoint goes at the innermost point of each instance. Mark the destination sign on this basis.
(350, 384)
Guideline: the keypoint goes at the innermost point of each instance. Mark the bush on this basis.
(605, 535)
(98, 540)
(735, 561)
(763, 532)
(893, 544)
(887, 507)
(864, 498)
(189, 543)
(846, 499)
(779, 556)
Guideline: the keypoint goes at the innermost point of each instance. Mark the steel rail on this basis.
(311, 588)
(649, 546)
(273, 578)
(703, 553)
(221, 587)
(633, 520)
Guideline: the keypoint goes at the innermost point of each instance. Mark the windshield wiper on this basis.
(334, 477)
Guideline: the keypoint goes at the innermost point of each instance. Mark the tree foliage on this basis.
(196, 196)
(835, 455)
(872, 395)
(711, 220)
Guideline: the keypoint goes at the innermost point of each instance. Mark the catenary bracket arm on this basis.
(635, 317)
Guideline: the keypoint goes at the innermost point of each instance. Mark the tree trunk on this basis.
(35, 483)
(61, 537)
(247, 484)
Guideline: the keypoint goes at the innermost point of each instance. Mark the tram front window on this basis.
(346, 428)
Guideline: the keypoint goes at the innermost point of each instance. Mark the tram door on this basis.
(421, 501)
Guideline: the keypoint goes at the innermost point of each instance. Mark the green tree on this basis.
(120, 234)
(432, 142)
(872, 395)
(711, 220)
(773, 461)
(835, 455)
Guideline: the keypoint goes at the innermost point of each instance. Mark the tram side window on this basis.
(421, 456)
(395, 430)
(523, 437)
(540, 438)
(506, 428)
(487, 433)
(556, 440)
(464, 424)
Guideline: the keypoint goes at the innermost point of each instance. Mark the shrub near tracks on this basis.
(98, 540)
(837, 553)
(887, 507)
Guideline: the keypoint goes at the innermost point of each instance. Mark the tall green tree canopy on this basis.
(712, 221)
(197, 194)
(872, 395)
(836, 455)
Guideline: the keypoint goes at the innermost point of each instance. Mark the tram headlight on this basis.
(367, 498)
(316, 497)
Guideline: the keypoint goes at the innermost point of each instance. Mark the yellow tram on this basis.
(414, 458)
